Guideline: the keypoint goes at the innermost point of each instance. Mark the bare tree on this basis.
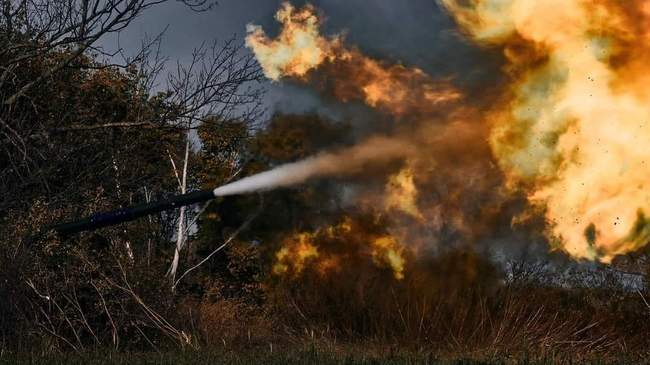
(219, 82)
(33, 28)
(216, 85)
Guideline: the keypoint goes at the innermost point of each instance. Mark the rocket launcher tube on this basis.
(101, 220)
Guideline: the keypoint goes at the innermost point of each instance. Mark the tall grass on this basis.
(466, 312)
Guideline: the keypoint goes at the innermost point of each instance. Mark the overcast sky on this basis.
(414, 32)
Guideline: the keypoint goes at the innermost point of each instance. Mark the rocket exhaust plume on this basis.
(346, 161)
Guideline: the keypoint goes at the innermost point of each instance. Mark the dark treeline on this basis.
(80, 135)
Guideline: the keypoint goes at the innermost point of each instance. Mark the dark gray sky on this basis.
(414, 32)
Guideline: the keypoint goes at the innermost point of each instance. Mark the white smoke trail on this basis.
(350, 160)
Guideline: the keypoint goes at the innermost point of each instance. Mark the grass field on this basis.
(308, 357)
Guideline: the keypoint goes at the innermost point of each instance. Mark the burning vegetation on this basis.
(345, 244)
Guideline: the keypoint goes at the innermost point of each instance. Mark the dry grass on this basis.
(462, 314)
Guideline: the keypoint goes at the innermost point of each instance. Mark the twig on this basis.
(110, 318)
(643, 298)
(226, 242)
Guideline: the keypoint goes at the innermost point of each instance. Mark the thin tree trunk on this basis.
(180, 239)
(147, 197)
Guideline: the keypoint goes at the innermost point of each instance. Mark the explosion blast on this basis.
(573, 126)
(568, 130)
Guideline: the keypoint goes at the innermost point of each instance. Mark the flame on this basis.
(299, 49)
(575, 122)
(402, 193)
(387, 251)
(296, 253)
(328, 248)
(341, 229)
(395, 89)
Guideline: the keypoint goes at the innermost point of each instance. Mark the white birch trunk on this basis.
(180, 239)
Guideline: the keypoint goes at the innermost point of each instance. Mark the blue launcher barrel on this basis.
(115, 217)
